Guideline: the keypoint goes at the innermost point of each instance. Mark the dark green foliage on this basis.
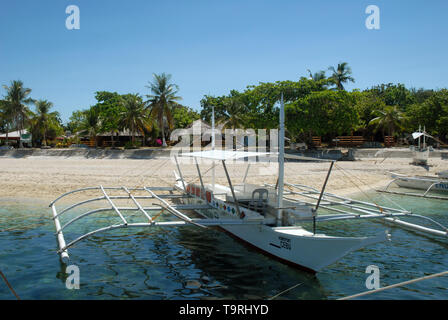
(322, 113)
(184, 116)
(432, 113)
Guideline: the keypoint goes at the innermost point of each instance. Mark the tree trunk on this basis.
(164, 145)
(20, 139)
(133, 135)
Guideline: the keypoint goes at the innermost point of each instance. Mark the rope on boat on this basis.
(362, 191)
(202, 173)
(279, 294)
(401, 284)
(9, 285)
(143, 177)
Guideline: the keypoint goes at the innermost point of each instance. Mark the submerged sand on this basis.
(48, 177)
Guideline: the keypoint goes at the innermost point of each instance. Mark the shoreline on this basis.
(48, 177)
(342, 154)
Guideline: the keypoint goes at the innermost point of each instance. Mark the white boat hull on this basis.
(420, 157)
(421, 183)
(291, 245)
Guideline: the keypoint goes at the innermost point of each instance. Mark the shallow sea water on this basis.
(189, 263)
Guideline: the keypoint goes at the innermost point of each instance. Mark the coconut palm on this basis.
(341, 75)
(320, 79)
(91, 123)
(44, 119)
(16, 99)
(317, 76)
(5, 119)
(390, 119)
(135, 117)
(232, 114)
(162, 100)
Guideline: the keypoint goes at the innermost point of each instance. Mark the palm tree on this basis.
(44, 118)
(233, 113)
(135, 117)
(114, 127)
(341, 75)
(317, 76)
(5, 118)
(232, 117)
(320, 79)
(91, 123)
(17, 99)
(391, 118)
(162, 100)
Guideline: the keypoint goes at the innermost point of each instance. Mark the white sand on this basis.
(48, 177)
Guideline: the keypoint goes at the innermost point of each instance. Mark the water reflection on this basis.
(188, 263)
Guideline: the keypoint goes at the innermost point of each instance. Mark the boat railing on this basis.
(348, 209)
(150, 213)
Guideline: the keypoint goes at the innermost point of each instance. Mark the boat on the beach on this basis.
(270, 218)
(420, 152)
(428, 183)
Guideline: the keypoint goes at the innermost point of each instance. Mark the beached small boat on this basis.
(421, 151)
(428, 183)
(268, 217)
(438, 184)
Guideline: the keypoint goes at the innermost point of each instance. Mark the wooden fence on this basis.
(317, 141)
(389, 141)
(90, 143)
(350, 141)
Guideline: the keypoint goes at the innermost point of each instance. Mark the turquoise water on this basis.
(188, 263)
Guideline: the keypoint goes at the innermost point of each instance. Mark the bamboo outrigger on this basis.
(267, 217)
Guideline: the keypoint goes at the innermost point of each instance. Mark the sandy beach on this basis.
(48, 177)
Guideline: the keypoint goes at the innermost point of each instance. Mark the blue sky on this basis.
(211, 47)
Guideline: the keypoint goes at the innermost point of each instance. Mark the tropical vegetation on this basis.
(317, 104)
(43, 124)
(162, 100)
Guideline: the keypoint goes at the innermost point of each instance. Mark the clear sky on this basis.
(211, 47)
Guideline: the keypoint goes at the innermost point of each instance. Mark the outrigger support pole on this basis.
(114, 207)
(138, 204)
(180, 174)
(173, 210)
(247, 171)
(200, 177)
(231, 188)
(320, 197)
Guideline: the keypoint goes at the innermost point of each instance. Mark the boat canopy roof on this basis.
(226, 154)
(233, 155)
(417, 135)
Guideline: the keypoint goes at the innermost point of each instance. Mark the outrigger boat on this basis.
(421, 152)
(267, 217)
(437, 183)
